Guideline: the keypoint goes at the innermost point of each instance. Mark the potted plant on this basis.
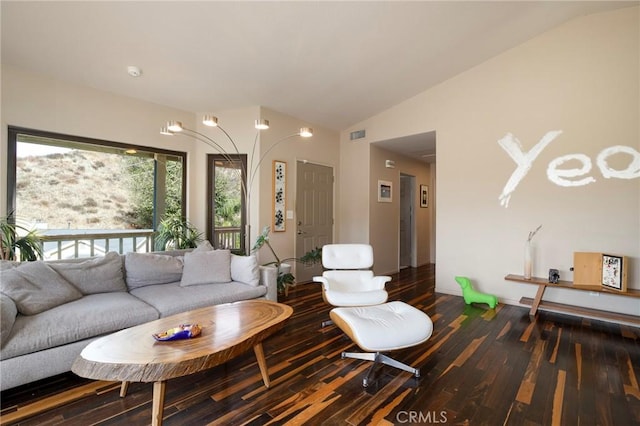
(285, 277)
(176, 232)
(17, 239)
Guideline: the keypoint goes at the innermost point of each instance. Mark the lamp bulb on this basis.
(210, 120)
(306, 132)
(165, 131)
(262, 124)
(174, 126)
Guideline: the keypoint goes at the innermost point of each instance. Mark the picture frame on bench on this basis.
(613, 272)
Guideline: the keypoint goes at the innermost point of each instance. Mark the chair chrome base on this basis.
(327, 322)
(379, 358)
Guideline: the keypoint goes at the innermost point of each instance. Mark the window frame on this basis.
(12, 139)
(211, 160)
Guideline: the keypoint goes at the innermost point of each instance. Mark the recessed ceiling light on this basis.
(134, 71)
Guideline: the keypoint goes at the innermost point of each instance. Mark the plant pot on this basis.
(283, 284)
(284, 268)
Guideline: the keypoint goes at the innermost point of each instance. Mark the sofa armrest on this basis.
(8, 312)
(269, 279)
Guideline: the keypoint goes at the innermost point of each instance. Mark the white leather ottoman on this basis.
(383, 328)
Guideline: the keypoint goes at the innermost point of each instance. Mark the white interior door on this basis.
(407, 192)
(314, 213)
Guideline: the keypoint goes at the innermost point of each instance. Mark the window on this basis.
(65, 185)
(226, 207)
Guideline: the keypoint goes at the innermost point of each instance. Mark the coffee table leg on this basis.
(123, 389)
(158, 403)
(262, 363)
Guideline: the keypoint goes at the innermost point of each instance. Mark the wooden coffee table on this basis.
(133, 355)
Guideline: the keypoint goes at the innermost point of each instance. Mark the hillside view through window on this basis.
(67, 186)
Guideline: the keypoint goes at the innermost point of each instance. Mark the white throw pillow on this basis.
(245, 269)
(206, 267)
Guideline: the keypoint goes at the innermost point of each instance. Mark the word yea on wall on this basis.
(557, 175)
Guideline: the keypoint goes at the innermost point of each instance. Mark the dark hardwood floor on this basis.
(480, 367)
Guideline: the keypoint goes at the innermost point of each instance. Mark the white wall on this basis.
(353, 213)
(38, 102)
(322, 148)
(581, 78)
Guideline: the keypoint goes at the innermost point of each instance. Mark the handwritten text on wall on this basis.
(558, 175)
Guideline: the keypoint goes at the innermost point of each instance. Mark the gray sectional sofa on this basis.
(51, 310)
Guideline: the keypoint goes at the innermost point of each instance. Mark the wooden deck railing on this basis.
(228, 238)
(66, 246)
(86, 244)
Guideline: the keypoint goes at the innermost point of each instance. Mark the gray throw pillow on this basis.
(205, 267)
(8, 312)
(245, 269)
(204, 246)
(144, 269)
(97, 275)
(35, 287)
(8, 264)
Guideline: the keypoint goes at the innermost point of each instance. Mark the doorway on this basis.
(407, 253)
(314, 213)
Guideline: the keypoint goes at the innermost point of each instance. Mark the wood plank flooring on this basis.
(480, 367)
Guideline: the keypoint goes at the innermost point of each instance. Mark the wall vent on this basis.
(358, 134)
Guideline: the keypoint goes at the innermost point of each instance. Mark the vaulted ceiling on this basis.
(328, 63)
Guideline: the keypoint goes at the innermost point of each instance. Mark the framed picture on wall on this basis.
(279, 195)
(385, 189)
(424, 196)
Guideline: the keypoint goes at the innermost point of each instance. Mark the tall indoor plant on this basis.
(285, 277)
(16, 239)
(176, 232)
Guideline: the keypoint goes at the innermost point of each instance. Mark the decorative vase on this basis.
(528, 262)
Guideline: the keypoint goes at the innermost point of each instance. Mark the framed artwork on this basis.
(612, 269)
(424, 196)
(279, 195)
(385, 189)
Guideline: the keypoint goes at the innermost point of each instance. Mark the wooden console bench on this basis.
(538, 304)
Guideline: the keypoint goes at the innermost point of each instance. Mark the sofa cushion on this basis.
(169, 299)
(245, 269)
(35, 287)
(204, 246)
(93, 315)
(102, 274)
(142, 269)
(8, 312)
(204, 267)
(8, 264)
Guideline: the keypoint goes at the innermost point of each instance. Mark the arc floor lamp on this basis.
(250, 171)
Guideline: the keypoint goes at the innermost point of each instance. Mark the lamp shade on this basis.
(262, 124)
(210, 120)
(306, 132)
(174, 126)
